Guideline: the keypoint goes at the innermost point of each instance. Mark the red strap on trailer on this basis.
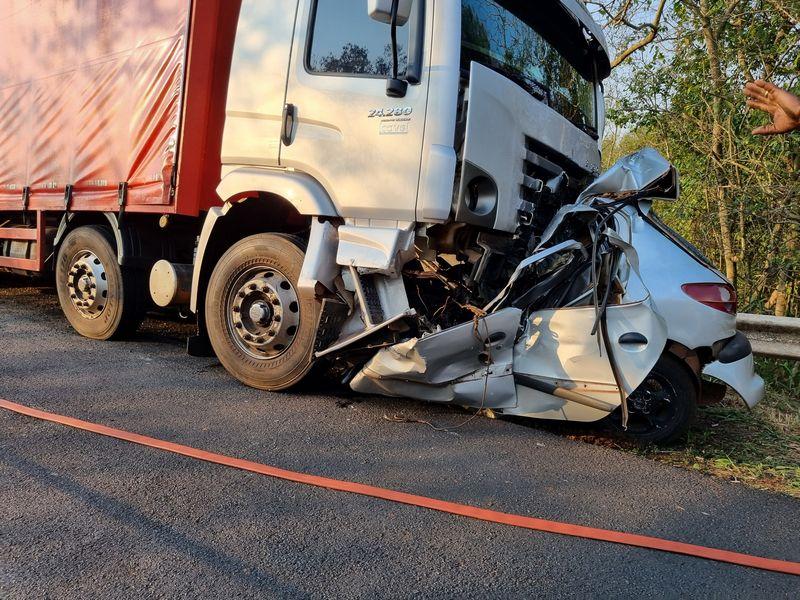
(605, 535)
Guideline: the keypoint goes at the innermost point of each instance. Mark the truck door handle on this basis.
(289, 115)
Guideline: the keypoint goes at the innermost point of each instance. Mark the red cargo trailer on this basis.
(107, 107)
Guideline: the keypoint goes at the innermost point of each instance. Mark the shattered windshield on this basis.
(494, 36)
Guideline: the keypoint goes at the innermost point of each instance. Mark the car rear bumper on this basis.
(734, 367)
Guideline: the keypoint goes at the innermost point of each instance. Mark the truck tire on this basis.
(663, 407)
(261, 329)
(100, 299)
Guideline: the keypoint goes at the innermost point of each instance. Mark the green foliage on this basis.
(683, 95)
(781, 375)
(759, 447)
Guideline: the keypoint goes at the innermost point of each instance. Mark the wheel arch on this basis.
(247, 215)
(71, 221)
(300, 190)
(256, 200)
(693, 359)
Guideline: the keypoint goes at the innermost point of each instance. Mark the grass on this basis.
(759, 447)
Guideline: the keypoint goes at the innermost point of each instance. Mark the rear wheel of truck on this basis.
(663, 407)
(100, 299)
(261, 329)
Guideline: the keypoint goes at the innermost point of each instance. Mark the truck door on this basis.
(361, 145)
(257, 87)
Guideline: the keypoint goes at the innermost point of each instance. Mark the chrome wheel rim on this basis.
(87, 284)
(263, 312)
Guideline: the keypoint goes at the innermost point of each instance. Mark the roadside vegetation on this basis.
(759, 447)
(679, 70)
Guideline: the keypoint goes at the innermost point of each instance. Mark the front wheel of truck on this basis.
(262, 330)
(100, 299)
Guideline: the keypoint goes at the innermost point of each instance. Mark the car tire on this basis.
(663, 407)
(261, 329)
(100, 299)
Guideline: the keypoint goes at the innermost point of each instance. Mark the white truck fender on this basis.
(299, 189)
(208, 226)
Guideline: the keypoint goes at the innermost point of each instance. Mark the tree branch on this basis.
(726, 15)
(784, 12)
(646, 40)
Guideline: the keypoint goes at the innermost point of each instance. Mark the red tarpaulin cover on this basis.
(91, 95)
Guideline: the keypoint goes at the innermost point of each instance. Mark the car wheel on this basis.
(663, 407)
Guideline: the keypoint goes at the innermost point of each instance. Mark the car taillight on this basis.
(716, 295)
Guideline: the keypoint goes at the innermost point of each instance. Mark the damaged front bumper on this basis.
(735, 367)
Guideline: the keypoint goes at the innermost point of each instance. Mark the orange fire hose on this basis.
(605, 535)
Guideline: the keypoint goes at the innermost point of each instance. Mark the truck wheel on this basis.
(261, 329)
(100, 299)
(663, 407)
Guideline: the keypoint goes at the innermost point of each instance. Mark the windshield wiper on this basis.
(537, 89)
(539, 92)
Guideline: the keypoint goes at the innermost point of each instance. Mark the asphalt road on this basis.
(82, 516)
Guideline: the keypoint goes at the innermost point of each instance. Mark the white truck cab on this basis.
(308, 93)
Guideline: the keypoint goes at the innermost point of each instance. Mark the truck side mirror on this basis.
(381, 10)
(396, 13)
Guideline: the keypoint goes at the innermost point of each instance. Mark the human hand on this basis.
(783, 107)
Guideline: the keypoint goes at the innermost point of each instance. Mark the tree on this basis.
(682, 94)
(352, 59)
(640, 34)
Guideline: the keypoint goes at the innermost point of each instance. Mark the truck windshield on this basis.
(496, 37)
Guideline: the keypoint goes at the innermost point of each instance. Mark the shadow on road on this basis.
(160, 533)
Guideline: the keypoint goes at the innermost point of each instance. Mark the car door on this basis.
(361, 145)
(558, 350)
(257, 88)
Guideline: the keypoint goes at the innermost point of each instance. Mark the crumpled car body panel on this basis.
(557, 347)
(741, 377)
(471, 363)
(557, 364)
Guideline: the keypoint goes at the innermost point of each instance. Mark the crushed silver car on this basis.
(620, 324)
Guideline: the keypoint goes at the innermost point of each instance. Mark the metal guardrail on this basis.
(774, 337)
